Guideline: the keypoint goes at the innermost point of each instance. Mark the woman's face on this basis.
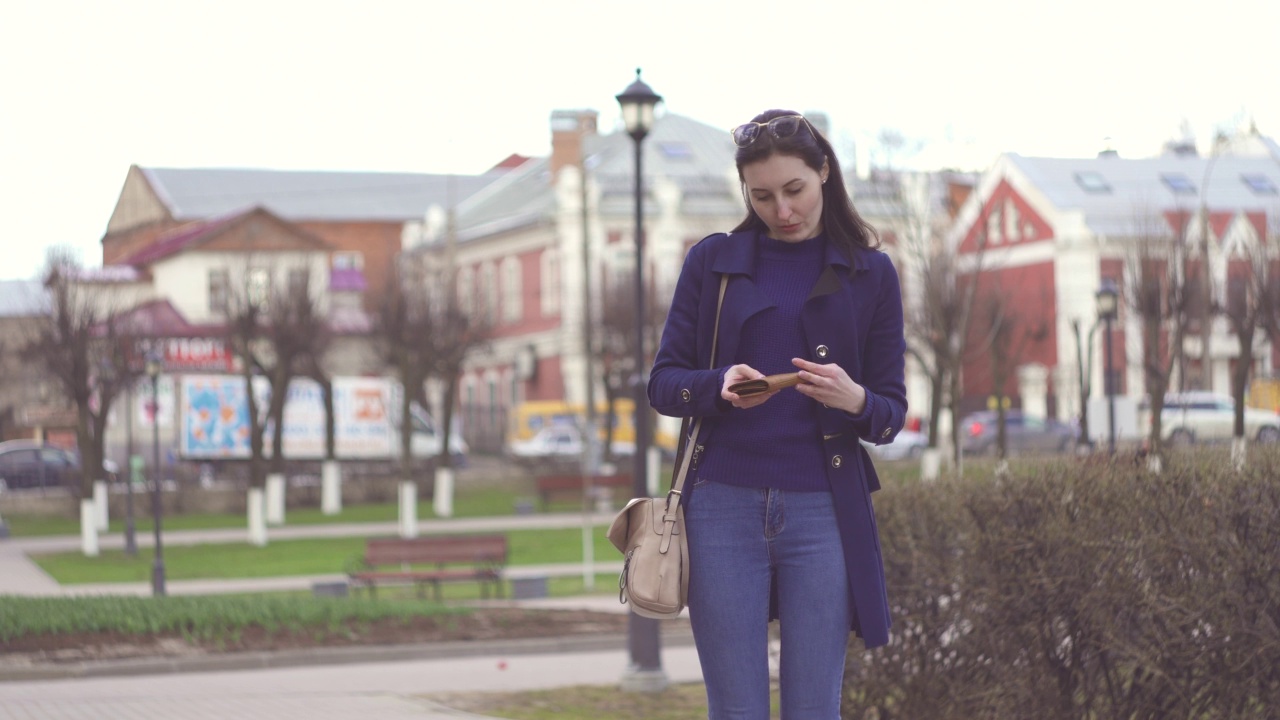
(787, 195)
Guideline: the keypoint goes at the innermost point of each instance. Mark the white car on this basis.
(1195, 417)
(908, 445)
(557, 443)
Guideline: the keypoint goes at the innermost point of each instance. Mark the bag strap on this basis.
(686, 437)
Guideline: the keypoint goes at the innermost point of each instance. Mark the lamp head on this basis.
(1108, 299)
(638, 102)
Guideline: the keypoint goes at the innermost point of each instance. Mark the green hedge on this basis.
(214, 618)
(1080, 590)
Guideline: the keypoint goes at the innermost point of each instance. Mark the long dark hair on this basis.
(840, 221)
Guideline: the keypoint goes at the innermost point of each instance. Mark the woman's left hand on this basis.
(831, 386)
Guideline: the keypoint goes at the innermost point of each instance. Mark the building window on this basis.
(297, 283)
(1260, 184)
(466, 290)
(219, 285)
(257, 285)
(512, 290)
(1093, 182)
(1178, 183)
(348, 260)
(488, 293)
(549, 279)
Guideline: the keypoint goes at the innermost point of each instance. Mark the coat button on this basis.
(837, 461)
(822, 351)
(887, 432)
(685, 395)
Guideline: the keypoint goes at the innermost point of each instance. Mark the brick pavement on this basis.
(392, 691)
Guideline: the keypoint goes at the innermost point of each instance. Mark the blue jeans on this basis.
(739, 540)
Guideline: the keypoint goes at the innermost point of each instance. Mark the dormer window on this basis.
(1093, 183)
(1178, 183)
(675, 150)
(1260, 184)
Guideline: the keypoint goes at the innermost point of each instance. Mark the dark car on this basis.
(1024, 434)
(29, 464)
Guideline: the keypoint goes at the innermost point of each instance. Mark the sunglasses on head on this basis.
(779, 127)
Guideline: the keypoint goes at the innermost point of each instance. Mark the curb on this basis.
(679, 636)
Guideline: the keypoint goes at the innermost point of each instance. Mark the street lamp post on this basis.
(1107, 298)
(130, 527)
(638, 102)
(154, 362)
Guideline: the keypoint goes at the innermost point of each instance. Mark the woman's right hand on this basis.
(737, 374)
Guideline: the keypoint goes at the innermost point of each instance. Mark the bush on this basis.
(201, 617)
(1080, 591)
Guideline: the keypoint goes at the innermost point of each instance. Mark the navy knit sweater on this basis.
(777, 444)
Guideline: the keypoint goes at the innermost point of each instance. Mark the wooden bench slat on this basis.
(548, 485)
(392, 560)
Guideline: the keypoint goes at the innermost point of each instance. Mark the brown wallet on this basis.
(769, 383)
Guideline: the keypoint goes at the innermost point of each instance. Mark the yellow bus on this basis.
(529, 417)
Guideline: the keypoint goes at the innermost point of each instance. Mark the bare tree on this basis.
(617, 344)
(1250, 308)
(458, 336)
(1155, 282)
(88, 349)
(940, 281)
(405, 332)
(423, 333)
(245, 328)
(295, 331)
(1003, 335)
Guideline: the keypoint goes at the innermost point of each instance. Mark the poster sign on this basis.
(215, 417)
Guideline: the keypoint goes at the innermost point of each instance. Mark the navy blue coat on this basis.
(852, 317)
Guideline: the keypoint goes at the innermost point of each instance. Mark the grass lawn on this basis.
(317, 556)
(487, 502)
(590, 702)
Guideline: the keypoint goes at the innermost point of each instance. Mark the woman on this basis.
(778, 502)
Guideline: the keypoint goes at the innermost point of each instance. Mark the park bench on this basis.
(549, 485)
(431, 560)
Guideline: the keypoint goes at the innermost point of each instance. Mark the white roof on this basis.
(1114, 193)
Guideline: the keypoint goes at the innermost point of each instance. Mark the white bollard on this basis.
(255, 506)
(89, 528)
(653, 468)
(100, 502)
(275, 499)
(1239, 453)
(330, 488)
(408, 510)
(930, 464)
(442, 497)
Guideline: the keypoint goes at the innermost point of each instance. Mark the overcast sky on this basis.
(92, 87)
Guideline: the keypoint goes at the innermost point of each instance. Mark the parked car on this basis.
(1023, 433)
(1197, 416)
(557, 443)
(29, 464)
(908, 445)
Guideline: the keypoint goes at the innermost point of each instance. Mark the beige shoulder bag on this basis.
(650, 534)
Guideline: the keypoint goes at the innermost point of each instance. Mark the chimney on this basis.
(568, 128)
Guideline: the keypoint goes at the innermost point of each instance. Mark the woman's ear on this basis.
(826, 170)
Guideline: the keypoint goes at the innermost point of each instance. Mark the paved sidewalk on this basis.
(385, 690)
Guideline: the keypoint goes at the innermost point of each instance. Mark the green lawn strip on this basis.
(589, 702)
(205, 617)
(316, 556)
